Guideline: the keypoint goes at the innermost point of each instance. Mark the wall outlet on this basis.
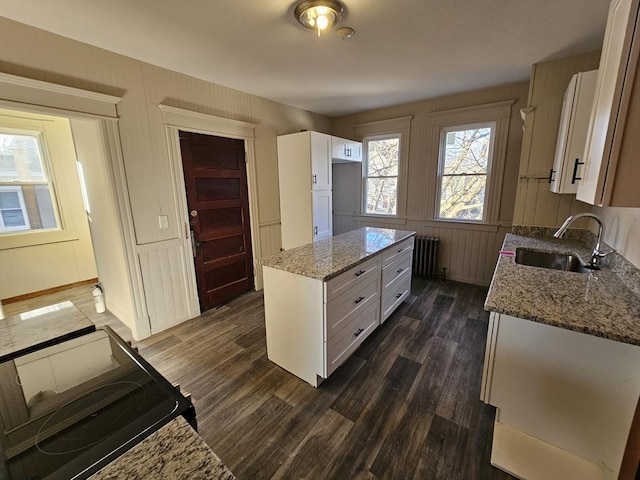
(163, 221)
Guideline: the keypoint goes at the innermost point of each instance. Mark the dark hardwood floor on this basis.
(404, 406)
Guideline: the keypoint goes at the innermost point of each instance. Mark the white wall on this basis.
(49, 262)
(104, 222)
(468, 251)
(622, 230)
(44, 56)
(535, 204)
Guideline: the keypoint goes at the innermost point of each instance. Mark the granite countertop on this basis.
(604, 303)
(29, 331)
(328, 258)
(175, 452)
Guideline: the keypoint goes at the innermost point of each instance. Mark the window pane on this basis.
(381, 195)
(9, 200)
(26, 197)
(382, 157)
(467, 151)
(462, 198)
(20, 158)
(13, 218)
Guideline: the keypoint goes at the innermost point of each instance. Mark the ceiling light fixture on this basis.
(319, 15)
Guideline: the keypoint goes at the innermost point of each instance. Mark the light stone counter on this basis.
(175, 452)
(328, 258)
(29, 331)
(604, 303)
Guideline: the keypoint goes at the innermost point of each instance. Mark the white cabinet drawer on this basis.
(339, 348)
(396, 295)
(346, 280)
(341, 310)
(392, 272)
(392, 253)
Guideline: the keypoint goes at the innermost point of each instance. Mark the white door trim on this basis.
(176, 119)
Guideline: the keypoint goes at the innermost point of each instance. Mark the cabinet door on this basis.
(322, 215)
(613, 68)
(572, 134)
(344, 151)
(320, 161)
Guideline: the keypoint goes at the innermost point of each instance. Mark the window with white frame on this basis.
(470, 146)
(464, 166)
(381, 171)
(27, 199)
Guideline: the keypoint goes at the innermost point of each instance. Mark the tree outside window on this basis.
(464, 165)
(381, 174)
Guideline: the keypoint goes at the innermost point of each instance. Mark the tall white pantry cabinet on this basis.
(304, 177)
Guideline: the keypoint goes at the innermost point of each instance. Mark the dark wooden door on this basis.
(215, 177)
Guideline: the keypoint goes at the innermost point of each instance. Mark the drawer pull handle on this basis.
(359, 299)
(399, 295)
(360, 273)
(400, 250)
(400, 271)
(358, 332)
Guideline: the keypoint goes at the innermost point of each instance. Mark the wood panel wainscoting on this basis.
(405, 405)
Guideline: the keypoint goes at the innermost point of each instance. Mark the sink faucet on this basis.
(597, 254)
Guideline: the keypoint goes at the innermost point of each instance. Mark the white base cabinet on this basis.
(564, 398)
(314, 326)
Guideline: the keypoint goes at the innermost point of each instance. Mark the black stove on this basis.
(68, 410)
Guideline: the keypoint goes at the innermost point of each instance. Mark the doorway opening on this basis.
(79, 235)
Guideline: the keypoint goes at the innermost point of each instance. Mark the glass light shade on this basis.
(318, 14)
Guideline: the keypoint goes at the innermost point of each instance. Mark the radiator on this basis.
(425, 257)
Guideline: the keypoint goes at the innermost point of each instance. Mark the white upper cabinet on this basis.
(611, 171)
(572, 134)
(320, 161)
(344, 151)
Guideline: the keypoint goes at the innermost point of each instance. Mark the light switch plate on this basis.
(163, 221)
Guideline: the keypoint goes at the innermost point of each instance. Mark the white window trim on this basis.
(498, 112)
(443, 134)
(398, 126)
(49, 181)
(17, 189)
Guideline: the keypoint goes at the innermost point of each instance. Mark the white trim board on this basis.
(176, 119)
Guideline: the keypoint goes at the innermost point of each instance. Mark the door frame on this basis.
(21, 93)
(176, 119)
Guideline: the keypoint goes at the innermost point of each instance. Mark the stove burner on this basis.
(90, 418)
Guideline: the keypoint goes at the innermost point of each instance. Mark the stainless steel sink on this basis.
(555, 261)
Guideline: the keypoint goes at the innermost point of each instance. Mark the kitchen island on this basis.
(324, 299)
(561, 363)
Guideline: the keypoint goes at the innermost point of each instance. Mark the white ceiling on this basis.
(403, 50)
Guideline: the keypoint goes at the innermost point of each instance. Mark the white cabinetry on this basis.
(572, 134)
(304, 177)
(611, 170)
(396, 276)
(313, 326)
(565, 399)
(312, 331)
(343, 150)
